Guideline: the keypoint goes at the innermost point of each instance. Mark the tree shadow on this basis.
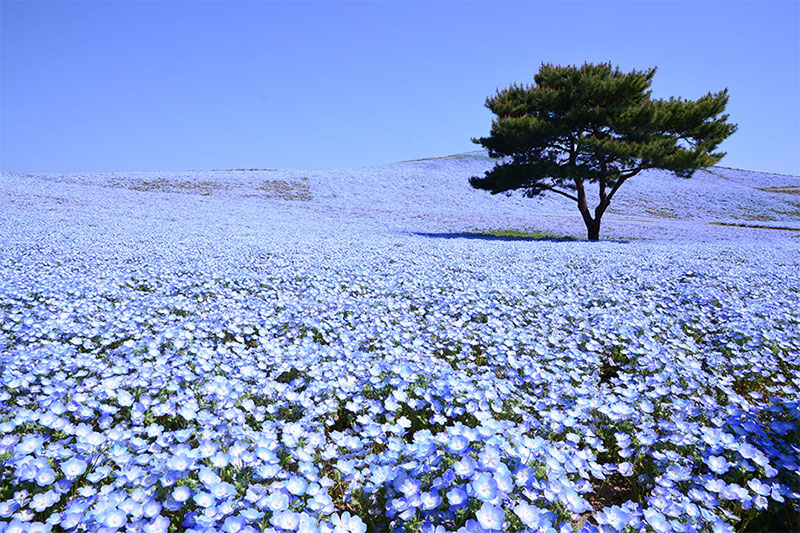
(500, 236)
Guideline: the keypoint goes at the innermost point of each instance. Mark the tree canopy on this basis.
(594, 123)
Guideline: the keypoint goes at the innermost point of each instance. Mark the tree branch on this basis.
(562, 193)
(625, 174)
(618, 184)
(603, 174)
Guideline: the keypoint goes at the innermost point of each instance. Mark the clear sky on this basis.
(124, 86)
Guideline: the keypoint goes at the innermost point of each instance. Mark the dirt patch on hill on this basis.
(791, 189)
(287, 189)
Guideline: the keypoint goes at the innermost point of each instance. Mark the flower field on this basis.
(263, 353)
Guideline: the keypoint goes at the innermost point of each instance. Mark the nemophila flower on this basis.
(503, 478)
(429, 500)
(345, 467)
(159, 524)
(114, 518)
(778, 493)
(625, 468)
(220, 460)
(233, 524)
(19, 526)
(8, 507)
(457, 496)
(718, 526)
(181, 493)
(288, 520)
(204, 499)
(222, 490)
(404, 330)
(321, 503)
(277, 501)
(678, 473)
(347, 523)
(381, 474)
(71, 519)
(761, 489)
(490, 516)
(73, 467)
(87, 491)
(42, 501)
(456, 444)
(484, 486)
(208, 476)
(408, 486)
(528, 514)
(734, 491)
(125, 398)
(465, 467)
(657, 521)
(398, 505)
(574, 502)
(718, 464)
(268, 471)
(101, 472)
(614, 516)
(29, 445)
(251, 514)
(296, 485)
(523, 475)
(151, 508)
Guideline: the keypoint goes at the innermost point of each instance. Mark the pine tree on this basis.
(596, 124)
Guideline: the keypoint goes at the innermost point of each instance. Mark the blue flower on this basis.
(465, 467)
(430, 500)
(347, 523)
(489, 457)
(456, 496)
(718, 464)
(159, 524)
(296, 485)
(204, 499)
(151, 508)
(574, 502)
(484, 486)
(456, 444)
(8, 507)
(285, 520)
(73, 468)
(616, 517)
(222, 490)
(114, 518)
(45, 476)
(530, 515)
(408, 486)
(277, 501)
(44, 500)
(181, 494)
(490, 516)
(657, 521)
(29, 445)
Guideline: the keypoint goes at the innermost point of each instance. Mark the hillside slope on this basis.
(429, 195)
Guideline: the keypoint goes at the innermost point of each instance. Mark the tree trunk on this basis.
(592, 224)
(593, 228)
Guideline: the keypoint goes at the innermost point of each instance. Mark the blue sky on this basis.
(124, 86)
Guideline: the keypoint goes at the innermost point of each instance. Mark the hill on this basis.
(422, 196)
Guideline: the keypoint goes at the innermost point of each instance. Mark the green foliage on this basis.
(532, 235)
(595, 123)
